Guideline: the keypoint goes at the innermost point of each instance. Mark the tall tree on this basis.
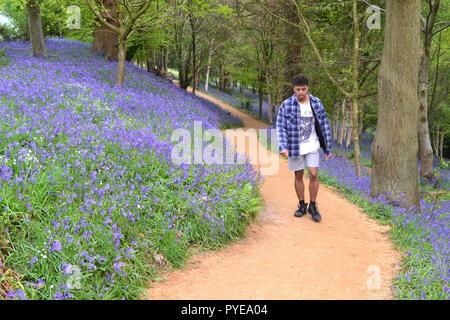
(35, 27)
(128, 12)
(425, 149)
(355, 90)
(105, 39)
(208, 70)
(395, 147)
(438, 107)
(195, 22)
(183, 57)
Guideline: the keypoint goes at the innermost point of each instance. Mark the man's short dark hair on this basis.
(300, 80)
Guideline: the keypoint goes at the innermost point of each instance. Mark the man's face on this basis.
(300, 91)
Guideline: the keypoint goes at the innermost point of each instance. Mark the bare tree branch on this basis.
(372, 5)
(142, 10)
(368, 94)
(101, 19)
(424, 23)
(442, 29)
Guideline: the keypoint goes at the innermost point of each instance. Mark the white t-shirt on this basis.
(309, 142)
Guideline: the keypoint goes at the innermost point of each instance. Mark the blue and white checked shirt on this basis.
(288, 126)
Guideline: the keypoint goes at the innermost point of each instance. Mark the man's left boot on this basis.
(314, 212)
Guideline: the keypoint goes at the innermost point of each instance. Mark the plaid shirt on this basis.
(288, 126)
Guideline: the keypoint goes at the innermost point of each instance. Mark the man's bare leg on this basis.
(313, 190)
(299, 185)
(313, 183)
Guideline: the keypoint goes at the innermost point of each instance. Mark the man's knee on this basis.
(313, 174)
(299, 175)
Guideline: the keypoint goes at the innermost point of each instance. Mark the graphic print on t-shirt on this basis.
(309, 142)
(306, 124)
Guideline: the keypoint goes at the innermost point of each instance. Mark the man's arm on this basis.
(281, 129)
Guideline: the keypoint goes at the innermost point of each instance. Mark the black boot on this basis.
(312, 209)
(301, 211)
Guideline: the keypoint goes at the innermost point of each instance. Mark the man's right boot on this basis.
(301, 211)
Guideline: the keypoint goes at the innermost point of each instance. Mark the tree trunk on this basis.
(35, 28)
(225, 81)
(121, 66)
(349, 132)
(158, 61)
(105, 40)
(436, 75)
(441, 146)
(208, 70)
(166, 59)
(435, 141)
(187, 69)
(178, 34)
(335, 120)
(425, 150)
(269, 96)
(183, 66)
(279, 97)
(151, 62)
(194, 63)
(362, 112)
(220, 77)
(161, 61)
(355, 91)
(345, 113)
(260, 95)
(395, 147)
(197, 77)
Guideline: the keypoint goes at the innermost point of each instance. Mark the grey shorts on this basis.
(311, 159)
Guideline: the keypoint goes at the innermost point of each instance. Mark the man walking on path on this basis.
(302, 129)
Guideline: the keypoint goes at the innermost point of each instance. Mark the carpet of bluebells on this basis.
(89, 196)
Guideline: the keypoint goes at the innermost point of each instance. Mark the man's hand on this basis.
(284, 153)
(328, 156)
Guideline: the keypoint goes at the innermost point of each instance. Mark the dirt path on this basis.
(346, 256)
